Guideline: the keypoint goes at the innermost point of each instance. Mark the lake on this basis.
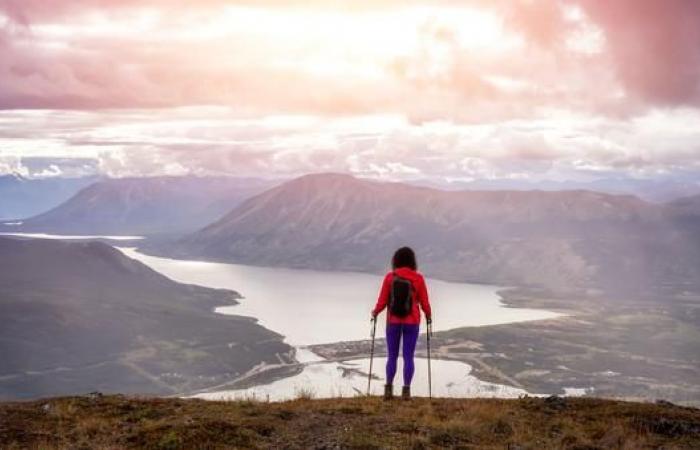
(313, 307)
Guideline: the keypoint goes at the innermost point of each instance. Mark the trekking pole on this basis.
(371, 352)
(430, 381)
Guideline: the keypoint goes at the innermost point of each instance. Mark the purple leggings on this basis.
(394, 332)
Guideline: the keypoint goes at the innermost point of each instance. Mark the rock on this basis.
(662, 402)
(555, 402)
(95, 396)
(670, 427)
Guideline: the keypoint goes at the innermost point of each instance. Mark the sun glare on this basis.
(325, 42)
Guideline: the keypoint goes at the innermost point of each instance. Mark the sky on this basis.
(441, 90)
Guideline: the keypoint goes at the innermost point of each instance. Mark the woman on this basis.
(405, 326)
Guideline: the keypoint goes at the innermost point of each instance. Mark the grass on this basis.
(113, 422)
(305, 393)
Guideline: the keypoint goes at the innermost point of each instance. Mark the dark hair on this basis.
(404, 257)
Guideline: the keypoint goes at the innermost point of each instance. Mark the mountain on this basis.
(654, 190)
(100, 421)
(22, 197)
(146, 205)
(556, 239)
(79, 317)
(687, 206)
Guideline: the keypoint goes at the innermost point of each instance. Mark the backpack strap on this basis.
(391, 296)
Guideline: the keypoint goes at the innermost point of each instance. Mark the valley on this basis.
(588, 293)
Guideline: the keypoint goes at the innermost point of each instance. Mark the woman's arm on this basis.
(423, 299)
(383, 296)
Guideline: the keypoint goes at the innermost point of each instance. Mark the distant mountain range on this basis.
(556, 239)
(22, 197)
(653, 190)
(573, 238)
(81, 317)
(145, 205)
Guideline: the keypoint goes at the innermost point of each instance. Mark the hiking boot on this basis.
(406, 393)
(388, 392)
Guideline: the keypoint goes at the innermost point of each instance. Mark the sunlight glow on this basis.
(324, 43)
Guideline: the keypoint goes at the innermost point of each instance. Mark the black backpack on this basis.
(401, 296)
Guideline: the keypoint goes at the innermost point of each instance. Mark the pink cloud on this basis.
(655, 45)
(651, 54)
(541, 21)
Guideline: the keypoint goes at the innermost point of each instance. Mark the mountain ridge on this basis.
(661, 190)
(22, 197)
(152, 205)
(557, 239)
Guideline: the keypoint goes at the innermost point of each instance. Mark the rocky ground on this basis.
(114, 422)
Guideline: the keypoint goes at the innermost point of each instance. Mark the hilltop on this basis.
(82, 316)
(102, 422)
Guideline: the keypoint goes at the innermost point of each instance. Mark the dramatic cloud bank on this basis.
(215, 140)
(470, 89)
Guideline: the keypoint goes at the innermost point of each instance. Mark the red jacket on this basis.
(420, 297)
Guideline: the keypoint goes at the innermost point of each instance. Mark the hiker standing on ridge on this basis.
(402, 291)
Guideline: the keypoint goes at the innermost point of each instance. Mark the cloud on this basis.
(655, 46)
(12, 164)
(386, 88)
(541, 21)
(464, 61)
(217, 141)
(47, 166)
